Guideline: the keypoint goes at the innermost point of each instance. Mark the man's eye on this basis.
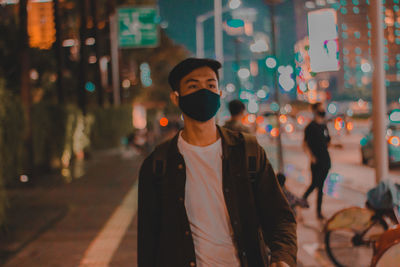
(193, 86)
(211, 85)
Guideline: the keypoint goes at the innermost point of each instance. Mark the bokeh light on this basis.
(164, 122)
(243, 73)
(261, 93)
(275, 132)
(270, 62)
(230, 88)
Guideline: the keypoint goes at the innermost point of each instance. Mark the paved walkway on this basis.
(99, 222)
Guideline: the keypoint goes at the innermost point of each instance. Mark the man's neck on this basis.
(200, 133)
(319, 120)
(236, 118)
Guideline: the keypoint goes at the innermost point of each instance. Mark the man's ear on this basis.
(174, 96)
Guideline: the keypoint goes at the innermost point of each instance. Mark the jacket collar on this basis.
(228, 139)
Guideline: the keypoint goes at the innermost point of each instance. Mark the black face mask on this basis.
(321, 114)
(201, 105)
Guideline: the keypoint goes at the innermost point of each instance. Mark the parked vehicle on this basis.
(393, 139)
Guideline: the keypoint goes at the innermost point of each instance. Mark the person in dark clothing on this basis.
(316, 142)
(197, 203)
(236, 108)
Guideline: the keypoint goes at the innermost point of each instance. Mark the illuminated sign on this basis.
(323, 37)
(138, 27)
(41, 26)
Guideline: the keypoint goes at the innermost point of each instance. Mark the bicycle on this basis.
(353, 236)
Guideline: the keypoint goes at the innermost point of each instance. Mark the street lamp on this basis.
(233, 4)
(200, 30)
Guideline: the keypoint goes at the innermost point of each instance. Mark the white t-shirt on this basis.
(205, 205)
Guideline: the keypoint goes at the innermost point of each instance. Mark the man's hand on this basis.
(313, 159)
(280, 264)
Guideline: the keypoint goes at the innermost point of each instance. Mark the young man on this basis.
(316, 142)
(197, 205)
(236, 108)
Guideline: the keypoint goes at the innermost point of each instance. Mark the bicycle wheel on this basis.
(345, 246)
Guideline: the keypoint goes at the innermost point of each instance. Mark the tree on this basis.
(25, 82)
(59, 53)
(97, 36)
(83, 57)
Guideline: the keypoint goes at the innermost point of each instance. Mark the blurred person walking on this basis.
(237, 110)
(200, 204)
(316, 142)
(294, 201)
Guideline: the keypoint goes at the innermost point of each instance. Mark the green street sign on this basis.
(137, 27)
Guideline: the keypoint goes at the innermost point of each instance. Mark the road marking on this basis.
(103, 247)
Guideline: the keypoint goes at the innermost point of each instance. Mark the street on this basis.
(99, 227)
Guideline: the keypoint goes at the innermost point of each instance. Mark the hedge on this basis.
(11, 142)
(53, 134)
(110, 126)
(58, 134)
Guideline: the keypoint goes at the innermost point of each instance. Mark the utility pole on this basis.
(24, 54)
(218, 33)
(271, 4)
(96, 36)
(83, 58)
(25, 83)
(379, 107)
(59, 53)
(199, 37)
(238, 83)
(114, 51)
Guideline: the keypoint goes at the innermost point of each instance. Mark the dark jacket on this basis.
(317, 138)
(164, 236)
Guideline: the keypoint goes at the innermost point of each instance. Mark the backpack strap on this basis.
(253, 167)
(252, 159)
(160, 159)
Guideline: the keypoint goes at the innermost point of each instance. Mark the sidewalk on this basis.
(89, 202)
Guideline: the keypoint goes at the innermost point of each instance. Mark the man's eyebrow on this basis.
(212, 80)
(191, 80)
